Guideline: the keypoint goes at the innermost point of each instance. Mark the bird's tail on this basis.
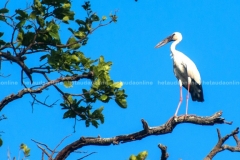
(196, 92)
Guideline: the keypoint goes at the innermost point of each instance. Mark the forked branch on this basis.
(220, 145)
(147, 131)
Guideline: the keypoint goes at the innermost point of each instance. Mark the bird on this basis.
(185, 71)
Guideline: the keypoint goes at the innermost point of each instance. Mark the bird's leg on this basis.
(189, 83)
(180, 101)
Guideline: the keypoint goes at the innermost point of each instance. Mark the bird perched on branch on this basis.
(185, 71)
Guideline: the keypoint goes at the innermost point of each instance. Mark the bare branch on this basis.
(219, 134)
(19, 61)
(59, 145)
(50, 156)
(86, 155)
(42, 145)
(100, 25)
(220, 147)
(147, 131)
(40, 102)
(5, 6)
(24, 91)
(45, 152)
(237, 140)
(164, 155)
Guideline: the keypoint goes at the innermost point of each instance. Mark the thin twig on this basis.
(5, 6)
(59, 144)
(86, 155)
(42, 144)
(44, 151)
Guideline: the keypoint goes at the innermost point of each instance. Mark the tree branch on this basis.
(24, 91)
(163, 148)
(19, 61)
(220, 147)
(44, 152)
(147, 131)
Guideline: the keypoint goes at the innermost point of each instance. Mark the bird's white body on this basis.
(184, 67)
(185, 70)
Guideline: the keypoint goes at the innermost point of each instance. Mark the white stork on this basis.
(185, 71)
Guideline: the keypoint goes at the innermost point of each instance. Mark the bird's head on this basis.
(176, 36)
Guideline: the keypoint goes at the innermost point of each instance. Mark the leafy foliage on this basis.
(25, 149)
(141, 156)
(36, 30)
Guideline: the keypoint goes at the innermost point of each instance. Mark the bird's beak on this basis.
(165, 41)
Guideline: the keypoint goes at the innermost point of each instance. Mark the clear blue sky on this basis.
(211, 34)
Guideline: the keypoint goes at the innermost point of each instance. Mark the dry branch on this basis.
(220, 147)
(164, 155)
(52, 152)
(147, 131)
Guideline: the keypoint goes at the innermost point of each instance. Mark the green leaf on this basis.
(80, 22)
(2, 43)
(66, 5)
(40, 21)
(74, 58)
(20, 36)
(94, 17)
(67, 84)
(23, 14)
(1, 142)
(142, 156)
(68, 99)
(33, 15)
(21, 23)
(104, 18)
(120, 93)
(96, 84)
(4, 10)
(28, 38)
(101, 59)
(132, 157)
(69, 114)
(37, 4)
(25, 149)
(1, 34)
(65, 18)
(117, 85)
(121, 102)
(104, 97)
(80, 34)
(71, 30)
(100, 109)
(75, 46)
(95, 123)
(53, 28)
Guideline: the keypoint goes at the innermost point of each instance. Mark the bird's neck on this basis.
(173, 47)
